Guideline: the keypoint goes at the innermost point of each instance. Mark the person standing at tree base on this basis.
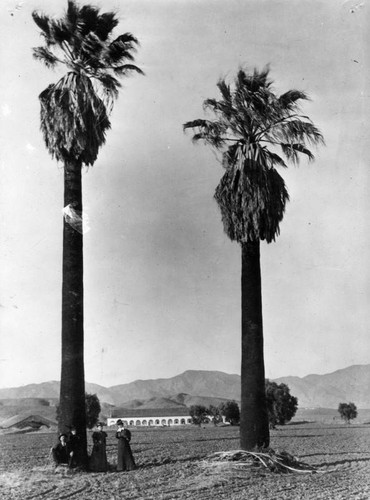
(125, 459)
(74, 445)
(98, 460)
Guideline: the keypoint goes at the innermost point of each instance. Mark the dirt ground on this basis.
(173, 465)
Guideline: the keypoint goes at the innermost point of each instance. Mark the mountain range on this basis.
(211, 387)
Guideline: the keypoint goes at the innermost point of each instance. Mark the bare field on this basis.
(172, 465)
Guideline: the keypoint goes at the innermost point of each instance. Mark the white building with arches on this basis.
(155, 417)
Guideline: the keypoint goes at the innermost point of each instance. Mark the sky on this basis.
(162, 280)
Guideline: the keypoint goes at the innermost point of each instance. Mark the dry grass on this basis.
(175, 464)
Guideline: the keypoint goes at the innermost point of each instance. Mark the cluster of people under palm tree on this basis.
(67, 449)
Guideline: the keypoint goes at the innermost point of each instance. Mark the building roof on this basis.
(21, 421)
(150, 412)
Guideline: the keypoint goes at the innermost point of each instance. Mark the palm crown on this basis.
(75, 110)
(251, 124)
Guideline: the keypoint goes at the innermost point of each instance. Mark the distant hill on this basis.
(50, 390)
(178, 400)
(203, 387)
(194, 382)
(327, 391)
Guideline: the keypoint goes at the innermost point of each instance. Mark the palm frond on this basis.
(289, 99)
(122, 48)
(127, 38)
(72, 13)
(110, 84)
(274, 159)
(105, 25)
(43, 22)
(225, 91)
(214, 104)
(252, 83)
(46, 56)
(60, 31)
(231, 156)
(291, 151)
(221, 108)
(126, 69)
(261, 76)
(88, 19)
(215, 140)
(297, 130)
(211, 132)
(92, 47)
(196, 123)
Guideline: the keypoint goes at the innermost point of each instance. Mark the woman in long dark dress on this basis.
(98, 459)
(125, 459)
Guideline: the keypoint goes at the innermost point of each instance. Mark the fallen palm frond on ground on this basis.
(270, 459)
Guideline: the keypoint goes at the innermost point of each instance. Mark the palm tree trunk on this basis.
(254, 427)
(72, 386)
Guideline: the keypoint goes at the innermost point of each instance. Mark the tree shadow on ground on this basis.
(235, 438)
(341, 462)
(301, 422)
(165, 461)
(344, 426)
(338, 453)
(297, 436)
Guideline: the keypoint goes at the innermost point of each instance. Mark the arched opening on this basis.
(125, 422)
(170, 421)
(138, 422)
(144, 422)
(183, 422)
(176, 421)
(157, 422)
(150, 422)
(163, 422)
(131, 422)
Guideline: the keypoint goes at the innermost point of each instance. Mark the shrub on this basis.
(199, 414)
(347, 411)
(230, 410)
(281, 405)
(215, 414)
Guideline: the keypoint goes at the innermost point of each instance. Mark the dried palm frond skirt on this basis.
(279, 462)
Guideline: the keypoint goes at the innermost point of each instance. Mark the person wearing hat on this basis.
(98, 460)
(61, 451)
(125, 459)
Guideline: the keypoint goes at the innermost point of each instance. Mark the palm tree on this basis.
(251, 124)
(74, 120)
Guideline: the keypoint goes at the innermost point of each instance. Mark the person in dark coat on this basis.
(98, 459)
(125, 459)
(61, 451)
(74, 447)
